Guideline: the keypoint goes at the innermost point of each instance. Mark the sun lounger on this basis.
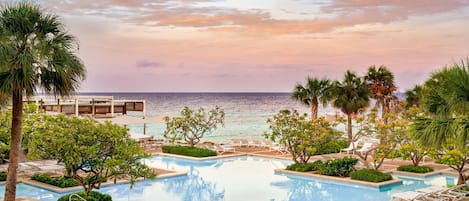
(222, 149)
(244, 142)
(407, 196)
(351, 148)
(365, 148)
(454, 193)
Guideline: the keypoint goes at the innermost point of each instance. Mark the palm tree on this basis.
(382, 87)
(351, 95)
(312, 92)
(446, 104)
(412, 96)
(35, 53)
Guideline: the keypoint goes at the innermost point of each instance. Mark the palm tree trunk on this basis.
(314, 110)
(349, 128)
(15, 145)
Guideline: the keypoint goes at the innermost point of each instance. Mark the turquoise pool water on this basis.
(241, 178)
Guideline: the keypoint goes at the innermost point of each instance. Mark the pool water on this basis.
(241, 178)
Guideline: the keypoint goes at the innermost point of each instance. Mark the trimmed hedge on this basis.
(305, 167)
(3, 176)
(332, 147)
(188, 151)
(62, 182)
(370, 175)
(93, 196)
(415, 169)
(339, 167)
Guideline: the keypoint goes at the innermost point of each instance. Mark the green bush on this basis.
(93, 196)
(338, 167)
(3, 176)
(370, 175)
(334, 146)
(305, 167)
(415, 169)
(188, 151)
(62, 182)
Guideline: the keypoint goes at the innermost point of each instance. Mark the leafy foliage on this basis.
(350, 96)
(415, 169)
(92, 152)
(382, 88)
(62, 182)
(36, 52)
(189, 151)
(300, 136)
(3, 176)
(334, 146)
(445, 122)
(339, 167)
(92, 196)
(371, 175)
(313, 92)
(192, 125)
(305, 167)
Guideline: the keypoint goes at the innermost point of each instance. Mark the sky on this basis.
(258, 45)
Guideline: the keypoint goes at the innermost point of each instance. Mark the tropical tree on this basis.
(445, 124)
(192, 125)
(301, 137)
(313, 92)
(35, 52)
(412, 96)
(92, 152)
(351, 96)
(382, 88)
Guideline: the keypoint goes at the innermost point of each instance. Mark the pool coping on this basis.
(420, 175)
(56, 189)
(220, 156)
(347, 180)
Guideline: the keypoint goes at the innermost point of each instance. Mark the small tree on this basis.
(92, 152)
(300, 136)
(193, 125)
(457, 159)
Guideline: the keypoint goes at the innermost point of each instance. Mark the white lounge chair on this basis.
(222, 149)
(454, 193)
(365, 148)
(351, 147)
(407, 196)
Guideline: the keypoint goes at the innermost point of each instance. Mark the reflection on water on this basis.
(241, 178)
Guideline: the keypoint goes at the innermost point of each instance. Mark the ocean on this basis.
(245, 113)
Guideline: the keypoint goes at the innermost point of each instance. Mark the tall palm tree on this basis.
(412, 96)
(382, 87)
(35, 53)
(351, 95)
(313, 92)
(446, 104)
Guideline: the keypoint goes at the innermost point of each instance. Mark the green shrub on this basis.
(62, 182)
(188, 151)
(338, 167)
(3, 176)
(415, 169)
(370, 175)
(305, 167)
(334, 146)
(93, 196)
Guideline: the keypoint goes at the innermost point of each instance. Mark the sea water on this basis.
(245, 113)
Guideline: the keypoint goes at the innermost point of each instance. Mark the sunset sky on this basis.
(258, 45)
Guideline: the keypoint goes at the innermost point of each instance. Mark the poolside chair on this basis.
(244, 142)
(365, 148)
(454, 193)
(407, 196)
(351, 147)
(267, 144)
(222, 149)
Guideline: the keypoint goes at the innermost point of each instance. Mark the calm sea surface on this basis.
(245, 113)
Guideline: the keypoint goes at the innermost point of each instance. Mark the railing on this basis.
(76, 195)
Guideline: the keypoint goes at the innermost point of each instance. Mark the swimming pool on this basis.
(241, 178)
